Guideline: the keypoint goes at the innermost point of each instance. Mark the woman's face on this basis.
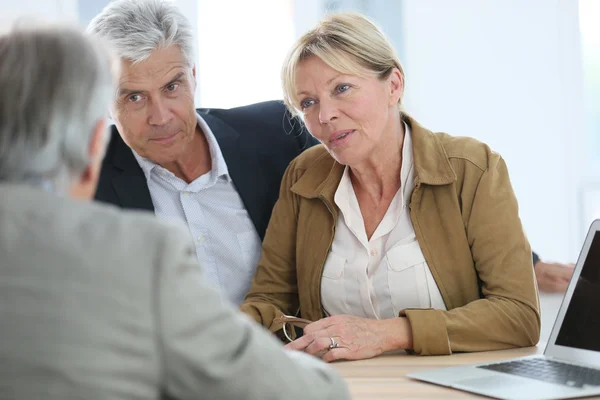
(351, 115)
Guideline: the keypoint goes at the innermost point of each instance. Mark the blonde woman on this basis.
(387, 235)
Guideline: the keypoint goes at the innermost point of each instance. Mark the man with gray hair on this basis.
(219, 171)
(91, 308)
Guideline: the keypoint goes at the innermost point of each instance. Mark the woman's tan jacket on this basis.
(466, 221)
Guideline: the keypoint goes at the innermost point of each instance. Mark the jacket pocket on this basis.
(407, 277)
(334, 266)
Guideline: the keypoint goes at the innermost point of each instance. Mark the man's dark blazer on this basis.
(257, 141)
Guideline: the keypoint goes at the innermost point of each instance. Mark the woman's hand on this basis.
(357, 338)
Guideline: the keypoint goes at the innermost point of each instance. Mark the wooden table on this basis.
(383, 378)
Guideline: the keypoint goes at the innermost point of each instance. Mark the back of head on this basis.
(55, 85)
(135, 28)
(347, 42)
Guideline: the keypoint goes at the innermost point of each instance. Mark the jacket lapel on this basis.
(129, 182)
(244, 169)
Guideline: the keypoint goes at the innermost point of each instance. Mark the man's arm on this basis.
(209, 350)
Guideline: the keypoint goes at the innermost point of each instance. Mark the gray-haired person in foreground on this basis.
(97, 303)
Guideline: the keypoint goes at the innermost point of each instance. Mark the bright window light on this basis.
(241, 47)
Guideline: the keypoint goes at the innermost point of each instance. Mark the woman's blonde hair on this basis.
(347, 42)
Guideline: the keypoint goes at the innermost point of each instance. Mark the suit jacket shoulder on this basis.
(268, 127)
(86, 278)
(92, 297)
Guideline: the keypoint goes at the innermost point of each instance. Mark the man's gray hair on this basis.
(135, 28)
(56, 84)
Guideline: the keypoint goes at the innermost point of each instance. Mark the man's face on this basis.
(154, 110)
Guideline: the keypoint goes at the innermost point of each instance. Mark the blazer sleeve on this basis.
(508, 313)
(210, 350)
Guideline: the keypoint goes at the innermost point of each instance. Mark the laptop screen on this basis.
(581, 326)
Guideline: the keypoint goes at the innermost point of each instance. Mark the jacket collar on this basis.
(129, 182)
(242, 166)
(432, 166)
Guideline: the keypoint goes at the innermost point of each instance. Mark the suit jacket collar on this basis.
(130, 185)
(243, 167)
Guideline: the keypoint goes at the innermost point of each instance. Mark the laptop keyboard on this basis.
(549, 371)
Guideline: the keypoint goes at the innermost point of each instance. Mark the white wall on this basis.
(242, 45)
(50, 10)
(88, 9)
(507, 72)
(306, 13)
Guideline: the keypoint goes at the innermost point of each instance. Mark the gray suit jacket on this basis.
(100, 304)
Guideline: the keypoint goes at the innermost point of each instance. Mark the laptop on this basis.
(570, 365)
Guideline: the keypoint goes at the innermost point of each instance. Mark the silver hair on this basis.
(56, 84)
(135, 28)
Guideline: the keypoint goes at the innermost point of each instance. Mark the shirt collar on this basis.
(219, 166)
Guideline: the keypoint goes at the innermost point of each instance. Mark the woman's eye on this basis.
(306, 103)
(342, 88)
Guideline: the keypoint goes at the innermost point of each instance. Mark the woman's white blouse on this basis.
(379, 277)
